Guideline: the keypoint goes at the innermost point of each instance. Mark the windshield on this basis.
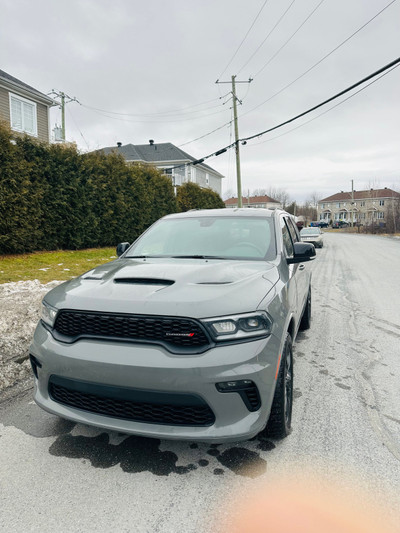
(310, 231)
(208, 237)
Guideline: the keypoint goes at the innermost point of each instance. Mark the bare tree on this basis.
(373, 183)
(393, 216)
(229, 193)
(259, 192)
(280, 195)
(314, 198)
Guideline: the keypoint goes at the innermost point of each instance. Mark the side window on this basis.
(287, 241)
(294, 232)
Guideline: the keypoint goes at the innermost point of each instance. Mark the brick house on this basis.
(372, 206)
(24, 108)
(254, 201)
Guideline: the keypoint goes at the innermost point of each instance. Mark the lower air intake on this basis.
(152, 407)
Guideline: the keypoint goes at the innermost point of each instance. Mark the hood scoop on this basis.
(145, 281)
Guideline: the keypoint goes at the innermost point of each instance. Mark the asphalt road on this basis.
(346, 426)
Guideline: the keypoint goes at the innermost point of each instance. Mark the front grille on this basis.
(180, 332)
(132, 404)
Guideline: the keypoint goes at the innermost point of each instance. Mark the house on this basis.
(254, 201)
(24, 108)
(172, 161)
(372, 206)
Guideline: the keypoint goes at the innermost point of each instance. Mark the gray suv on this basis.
(187, 335)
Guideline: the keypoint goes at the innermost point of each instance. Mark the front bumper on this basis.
(138, 367)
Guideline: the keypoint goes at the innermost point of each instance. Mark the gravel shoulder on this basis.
(20, 309)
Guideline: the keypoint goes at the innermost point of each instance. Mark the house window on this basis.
(338, 205)
(323, 206)
(23, 115)
(381, 215)
(382, 202)
(167, 171)
(362, 204)
(336, 216)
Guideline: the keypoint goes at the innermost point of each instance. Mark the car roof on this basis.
(237, 212)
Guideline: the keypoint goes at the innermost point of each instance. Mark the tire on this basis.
(305, 321)
(280, 419)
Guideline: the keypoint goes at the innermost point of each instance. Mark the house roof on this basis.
(252, 200)
(361, 195)
(14, 82)
(155, 153)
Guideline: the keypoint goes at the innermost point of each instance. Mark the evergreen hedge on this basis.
(52, 197)
(191, 196)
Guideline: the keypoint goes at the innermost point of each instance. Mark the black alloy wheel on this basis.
(279, 423)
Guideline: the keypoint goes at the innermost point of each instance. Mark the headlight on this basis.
(48, 313)
(237, 327)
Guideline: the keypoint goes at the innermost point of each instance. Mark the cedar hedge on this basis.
(52, 197)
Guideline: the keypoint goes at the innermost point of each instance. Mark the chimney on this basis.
(119, 145)
(151, 142)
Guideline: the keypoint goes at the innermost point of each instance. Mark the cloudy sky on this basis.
(147, 70)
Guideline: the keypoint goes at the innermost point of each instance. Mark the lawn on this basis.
(49, 266)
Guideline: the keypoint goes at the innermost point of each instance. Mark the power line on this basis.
(240, 45)
(168, 121)
(330, 109)
(290, 38)
(77, 127)
(269, 34)
(320, 61)
(260, 134)
(341, 93)
(207, 134)
(165, 114)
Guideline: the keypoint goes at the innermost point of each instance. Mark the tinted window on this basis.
(287, 241)
(294, 232)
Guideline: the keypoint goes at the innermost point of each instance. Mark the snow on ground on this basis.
(19, 314)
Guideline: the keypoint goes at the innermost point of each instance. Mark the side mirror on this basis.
(303, 251)
(122, 248)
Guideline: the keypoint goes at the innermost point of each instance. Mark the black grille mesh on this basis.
(155, 413)
(173, 331)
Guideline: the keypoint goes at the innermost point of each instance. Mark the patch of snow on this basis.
(20, 305)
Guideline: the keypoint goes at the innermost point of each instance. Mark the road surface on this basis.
(346, 426)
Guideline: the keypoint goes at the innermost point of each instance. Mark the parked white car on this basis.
(313, 235)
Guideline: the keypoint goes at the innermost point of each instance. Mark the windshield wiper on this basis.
(144, 256)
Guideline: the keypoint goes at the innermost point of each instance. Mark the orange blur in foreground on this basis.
(301, 509)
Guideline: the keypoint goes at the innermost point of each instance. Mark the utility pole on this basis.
(64, 99)
(235, 120)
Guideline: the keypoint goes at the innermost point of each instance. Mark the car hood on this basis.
(178, 287)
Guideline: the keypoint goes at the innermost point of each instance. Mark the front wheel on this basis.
(280, 419)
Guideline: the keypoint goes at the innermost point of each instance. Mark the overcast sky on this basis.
(151, 68)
